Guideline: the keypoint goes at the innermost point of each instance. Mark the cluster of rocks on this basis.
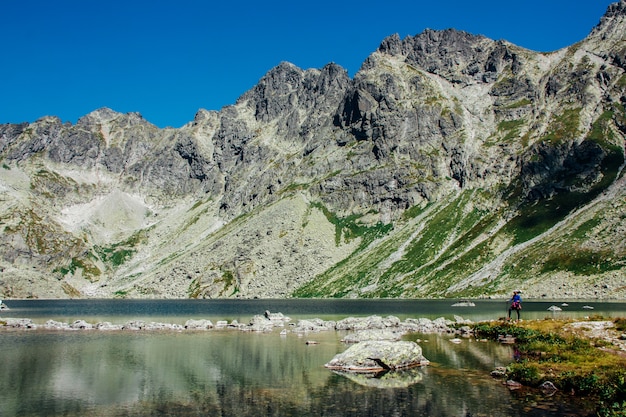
(357, 328)
(266, 322)
(25, 323)
(502, 372)
(377, 325)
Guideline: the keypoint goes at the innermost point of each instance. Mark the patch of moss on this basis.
(413, 212)
(583, 229)
(601, 131)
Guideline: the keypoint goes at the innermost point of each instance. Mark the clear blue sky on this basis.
(167, 59)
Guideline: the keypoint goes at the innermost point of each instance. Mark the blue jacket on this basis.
(516, 301)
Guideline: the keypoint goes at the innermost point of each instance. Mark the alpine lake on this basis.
(228, 372)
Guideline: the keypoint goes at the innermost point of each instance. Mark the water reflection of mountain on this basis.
(234, 373)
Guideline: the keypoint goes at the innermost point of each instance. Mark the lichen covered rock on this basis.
(378, 356)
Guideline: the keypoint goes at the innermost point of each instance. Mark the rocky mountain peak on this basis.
(615, 11)
(458, 56)
(612, 25)
(450, 165)
(105, 115)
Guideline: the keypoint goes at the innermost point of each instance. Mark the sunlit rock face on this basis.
(387, 361)
(450, 165)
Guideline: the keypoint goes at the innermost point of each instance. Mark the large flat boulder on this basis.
(378, 356)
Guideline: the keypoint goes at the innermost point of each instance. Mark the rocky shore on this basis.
(358, 328)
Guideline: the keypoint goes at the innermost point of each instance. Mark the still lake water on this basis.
(234, 373)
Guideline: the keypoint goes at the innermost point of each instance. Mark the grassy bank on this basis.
(586, 365)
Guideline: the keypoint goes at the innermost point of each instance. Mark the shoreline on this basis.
(265, 323)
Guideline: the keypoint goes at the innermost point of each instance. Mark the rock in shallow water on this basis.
(378, 356)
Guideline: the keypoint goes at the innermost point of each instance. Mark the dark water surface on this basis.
(178, 311)
(234, 373)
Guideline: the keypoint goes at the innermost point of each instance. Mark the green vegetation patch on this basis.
(564, 126)
(534, 219)
(117, 254)
(352, 272)
(447, 236)
(348, 228)
(89, 270)
(229, 281)
(521, 103)
(548, 352)
(448, 239)
(580, 261)
(511, 127)
(195, 288)
(601, 131)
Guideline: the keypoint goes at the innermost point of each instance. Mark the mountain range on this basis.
(450, 165)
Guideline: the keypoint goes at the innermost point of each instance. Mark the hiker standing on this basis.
(515, 304)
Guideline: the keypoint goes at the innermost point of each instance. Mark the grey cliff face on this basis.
(450, 165)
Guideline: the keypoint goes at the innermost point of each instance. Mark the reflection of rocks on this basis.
(378, 356)
(385, 379)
